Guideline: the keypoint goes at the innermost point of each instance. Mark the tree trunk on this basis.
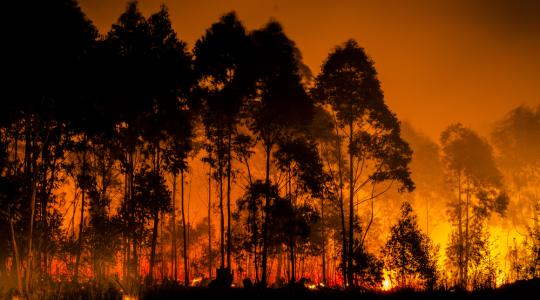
(229, 202)
(186, 274)
(265, 223)
(222, 217)
(466, 260)
(460, 237)
(173, 246)
(341, 208)
(17, 265)
(351, 208)
(81, 223)
(323, 234)
(210, 260)
(153, 246)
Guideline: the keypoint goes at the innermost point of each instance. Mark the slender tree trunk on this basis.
(341, 208)
(210, 259)
(229, 240)
(351, 208)
(156, 218)
(17, 265)
(460, 237)
(81, 223)
(153, 246)
(32, 167)
(323, 234)
(466, 260)
(161, 246)
(222, 217)
(186, 274)
(173, 246)
(134, 262)
(265, 223)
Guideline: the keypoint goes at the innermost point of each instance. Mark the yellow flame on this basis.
(386, 285)
(311, 286)
(196, 281)
(129, 297)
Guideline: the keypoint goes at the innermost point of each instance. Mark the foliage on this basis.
(409, 254)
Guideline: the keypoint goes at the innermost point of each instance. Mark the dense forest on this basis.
(129, 160)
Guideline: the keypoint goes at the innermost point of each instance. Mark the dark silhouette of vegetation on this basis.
(410, 253)
(348, 83)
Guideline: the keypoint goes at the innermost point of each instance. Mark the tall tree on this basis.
(223, 61)
(348, 83)
(477, 185)
(281, 95)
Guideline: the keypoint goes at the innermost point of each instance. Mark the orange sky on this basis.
(439, 62)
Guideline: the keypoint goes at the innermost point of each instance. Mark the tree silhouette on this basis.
(299, 160)
(223, 61)
(348, 83)
(281, 95)
(409, 253)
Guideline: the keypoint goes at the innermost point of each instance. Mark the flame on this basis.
(129, 297)
(196, 281)
(386, 285)
(311, 286)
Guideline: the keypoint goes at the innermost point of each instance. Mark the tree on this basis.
(348, 83)
(223, 62)
(299, 160)
(151, 197)
(281, 95)
(152, 75)
(367, 269)
(477, 184)
(170, 121)
(408, 252)
(516, 141)
(42, 74)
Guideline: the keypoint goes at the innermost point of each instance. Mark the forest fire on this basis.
(133, 166)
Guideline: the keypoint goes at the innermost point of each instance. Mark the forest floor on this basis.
(519, 290)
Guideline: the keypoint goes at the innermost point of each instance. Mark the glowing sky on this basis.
(439, 61)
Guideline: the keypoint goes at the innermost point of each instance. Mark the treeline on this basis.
(121, 118)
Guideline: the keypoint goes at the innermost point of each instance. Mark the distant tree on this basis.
(477, 183)
(516, 141)
(532, 266)
(409, 253)
(348, 83)
(427, 171)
